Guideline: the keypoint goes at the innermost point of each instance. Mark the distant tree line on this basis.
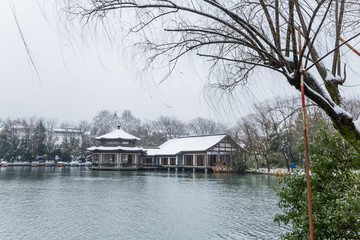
(29, 139)
(271, 134)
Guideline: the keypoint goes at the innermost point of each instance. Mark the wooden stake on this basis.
(305, 140)
(347, 44)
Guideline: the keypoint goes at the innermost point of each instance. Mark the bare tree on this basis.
(288, 134)
(149, 136)
(169, 127)
(264, 123)
(86, 139)
(28, 130)
(247, 136)
(240, 37)
(11, 139)
(71, 140)
(104, 122)
(128, 122)
(202, 126)
(50, 139)
(353, 106)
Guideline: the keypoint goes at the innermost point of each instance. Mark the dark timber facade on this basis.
(119, 150)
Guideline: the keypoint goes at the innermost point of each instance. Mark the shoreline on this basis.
(264, 171)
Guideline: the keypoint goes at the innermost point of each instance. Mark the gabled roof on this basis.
(186, 144)
(118, 134)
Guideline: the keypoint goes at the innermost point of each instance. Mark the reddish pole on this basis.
(347, 44)
(305, 141)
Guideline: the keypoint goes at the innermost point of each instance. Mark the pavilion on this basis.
(119, 150)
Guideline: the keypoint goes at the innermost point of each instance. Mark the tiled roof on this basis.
(186, 144)
(101, 148)
(118, 134)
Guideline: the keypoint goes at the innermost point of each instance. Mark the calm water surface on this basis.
(77, 203)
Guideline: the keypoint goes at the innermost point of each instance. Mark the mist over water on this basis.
(77, 203)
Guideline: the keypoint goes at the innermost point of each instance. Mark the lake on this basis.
(77, 203)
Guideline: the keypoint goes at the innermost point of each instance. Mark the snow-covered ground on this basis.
(273, 171)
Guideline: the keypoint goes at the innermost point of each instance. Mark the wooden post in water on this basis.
(305, 140)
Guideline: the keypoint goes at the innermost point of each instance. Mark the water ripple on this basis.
(73, 203)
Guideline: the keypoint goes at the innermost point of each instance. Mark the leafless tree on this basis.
(240, 37)
(247, 133)
(11, 138)
(128, 122)
(202, 126)
(257, 133)
(104, 122)
(274, 130)
(288, 135)
(264, 122)
(28, 129)
(86, 139)
(169, 127)
(71, 140)
(353, 106)
(50, 139)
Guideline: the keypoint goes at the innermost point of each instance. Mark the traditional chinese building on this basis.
(117, 150)
(196, 152)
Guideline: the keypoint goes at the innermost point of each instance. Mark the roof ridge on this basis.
(111, 134)
(204, 135)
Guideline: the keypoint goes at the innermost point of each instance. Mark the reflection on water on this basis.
(76, 203)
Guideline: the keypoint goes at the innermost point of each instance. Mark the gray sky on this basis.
(77, 79)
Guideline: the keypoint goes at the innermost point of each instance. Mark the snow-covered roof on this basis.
(118, 134)
(101, 148)
(67, 130)
(186, 144)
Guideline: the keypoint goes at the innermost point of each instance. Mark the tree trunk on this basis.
(286, 159)
(341, 119)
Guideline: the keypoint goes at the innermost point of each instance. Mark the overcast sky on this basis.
(77, 79)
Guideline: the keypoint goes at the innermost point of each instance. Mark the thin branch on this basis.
(307, 69)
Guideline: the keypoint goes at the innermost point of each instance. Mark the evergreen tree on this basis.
(39, 139)
(335, 191)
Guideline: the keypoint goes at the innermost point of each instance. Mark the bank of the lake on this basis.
(77, 203)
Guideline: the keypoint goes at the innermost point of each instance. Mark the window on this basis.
(173, 161)
(164, 161)
(199, 160)
(188, 160)
(148, 160)
(128, 158)
(108, 159)
(212, 160)
(225, 160)
(96, 157)
(125, 142)
(125, 158)
(111, 142)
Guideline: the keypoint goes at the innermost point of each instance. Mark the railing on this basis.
(122, 165)
(128, 165)
(150, 165)
(108, 165)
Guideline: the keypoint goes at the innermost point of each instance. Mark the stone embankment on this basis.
(223, 169)
(274, 171)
